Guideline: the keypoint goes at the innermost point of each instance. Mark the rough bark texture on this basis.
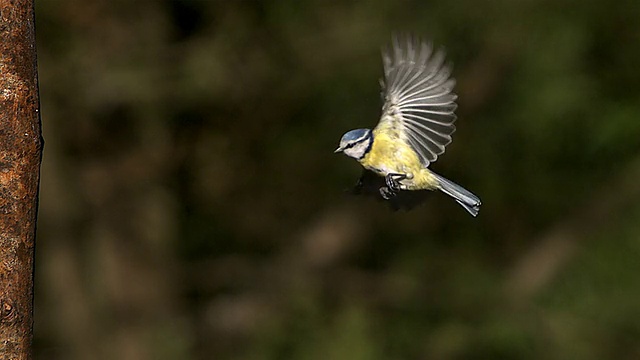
(20, 153)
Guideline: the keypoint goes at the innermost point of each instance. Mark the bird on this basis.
(416, 124)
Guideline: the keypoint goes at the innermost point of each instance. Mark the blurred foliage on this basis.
(192, 208)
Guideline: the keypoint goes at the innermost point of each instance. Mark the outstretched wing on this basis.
(419, 103)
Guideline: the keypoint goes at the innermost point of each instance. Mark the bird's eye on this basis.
(353, 143)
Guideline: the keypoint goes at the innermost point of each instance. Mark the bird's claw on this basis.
(393, 185)
(393, 181)
(387, 193)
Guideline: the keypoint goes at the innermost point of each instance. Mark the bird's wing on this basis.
(419, 103)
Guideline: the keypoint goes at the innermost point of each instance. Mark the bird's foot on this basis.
(387, 193)
(393, 181)
(393, 185)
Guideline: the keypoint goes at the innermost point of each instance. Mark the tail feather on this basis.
(462, 196)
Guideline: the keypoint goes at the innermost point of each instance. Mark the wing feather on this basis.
(419, 103)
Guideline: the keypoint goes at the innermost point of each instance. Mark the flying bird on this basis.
(416, 125)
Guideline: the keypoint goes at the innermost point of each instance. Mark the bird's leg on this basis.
(393, 181)
(393, 186)
(386, 193)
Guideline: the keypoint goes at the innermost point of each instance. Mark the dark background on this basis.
(192, 207)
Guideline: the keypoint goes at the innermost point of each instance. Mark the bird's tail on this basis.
(464, 197)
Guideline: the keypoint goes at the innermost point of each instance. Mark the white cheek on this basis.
(356, 151)
(351, 152)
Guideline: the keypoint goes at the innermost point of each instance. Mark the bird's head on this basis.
(356, 143)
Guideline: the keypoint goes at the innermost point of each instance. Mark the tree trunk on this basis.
(20, 154)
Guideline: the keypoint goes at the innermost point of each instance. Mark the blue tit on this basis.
(417, 121)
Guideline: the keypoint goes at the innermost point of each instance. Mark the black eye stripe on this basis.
(349, 146)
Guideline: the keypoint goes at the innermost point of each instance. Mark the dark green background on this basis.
(192, 207)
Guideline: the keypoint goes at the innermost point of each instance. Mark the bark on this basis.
(20, 154)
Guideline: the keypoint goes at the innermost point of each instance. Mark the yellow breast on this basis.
(389, 154)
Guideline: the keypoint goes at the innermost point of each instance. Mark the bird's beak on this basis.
(339, 149)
